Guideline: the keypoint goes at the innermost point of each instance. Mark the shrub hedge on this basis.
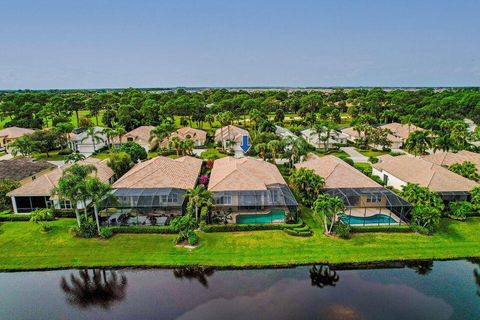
(248, 227)
(15, 217)
(143, 229)
(296, 233)
(403, 228)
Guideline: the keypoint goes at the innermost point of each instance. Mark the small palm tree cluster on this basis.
(79, 185)
(182, 146)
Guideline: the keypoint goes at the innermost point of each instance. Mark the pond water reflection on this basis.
(398, 290)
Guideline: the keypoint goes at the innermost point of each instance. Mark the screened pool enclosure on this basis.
(145, 206)
(258, 202)
(372, 207)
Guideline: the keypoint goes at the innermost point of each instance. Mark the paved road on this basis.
(354, 154)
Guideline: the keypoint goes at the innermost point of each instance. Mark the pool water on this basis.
(375, 219)
(274, 215)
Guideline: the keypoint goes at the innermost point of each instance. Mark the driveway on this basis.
(354, 154)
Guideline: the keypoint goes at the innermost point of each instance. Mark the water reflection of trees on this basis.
(94, 288)
(421, 267)
(199, 273)
(323, 276)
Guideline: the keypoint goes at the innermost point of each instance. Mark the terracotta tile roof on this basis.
(400, 130)
(243, 174)
(354, 134)
(236, 133)
(21, 168)
(416, 170)
(140, 135)
(449, 158)
(162, 172)
(14, 132)
(187, 132)
(43, 185)
(337, 173)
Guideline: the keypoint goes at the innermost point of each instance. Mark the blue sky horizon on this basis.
(56, 44)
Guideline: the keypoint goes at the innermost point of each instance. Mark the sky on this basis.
(113, 44)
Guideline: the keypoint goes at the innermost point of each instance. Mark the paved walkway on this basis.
(354, 154)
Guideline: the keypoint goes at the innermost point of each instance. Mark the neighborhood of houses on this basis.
(245, 189)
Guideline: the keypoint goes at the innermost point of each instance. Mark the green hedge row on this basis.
(14, 217)
(404, 228)
(248, 227)
(143, 229)
(297, 233)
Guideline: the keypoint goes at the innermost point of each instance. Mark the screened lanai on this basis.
(145, 206)
(372, 206)
(259, 204)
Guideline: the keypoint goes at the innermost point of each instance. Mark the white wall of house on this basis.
(392, 181)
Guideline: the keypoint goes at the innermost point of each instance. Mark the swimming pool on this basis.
(375, 219)
(272, 216)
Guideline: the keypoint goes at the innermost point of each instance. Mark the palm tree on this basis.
(198, 198)
(275, 146)
(328, 207)
(408, 120)
(255, 116)
(162, 131)
(71, 186)
(194, 272)
(210, 118)
(176, 144)
(97, 192)
(188, 145)
(418, 142)
(261, 149)
(74, 157)
(98, 289)
(110, 133)
(95, 135)
(119, 131)
(323, 276)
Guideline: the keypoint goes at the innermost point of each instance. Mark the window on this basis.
(164, 198)
(173, 198)
(225, 199)
(374, 198)
(34, 177)
(275, 196)
(65, 204)
(129, 139)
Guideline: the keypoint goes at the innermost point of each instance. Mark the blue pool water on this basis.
(375, 219)
(274, 215)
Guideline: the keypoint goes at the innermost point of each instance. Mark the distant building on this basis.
(198, 136)
(24, 170)
(335, 138)
(140, 135)
(82, 143)
(231, 138)
(284, 133)
(446, 159)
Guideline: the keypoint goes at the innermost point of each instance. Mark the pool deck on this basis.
(369, 212)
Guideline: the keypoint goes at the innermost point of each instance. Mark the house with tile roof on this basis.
(398, 171)
(367, 202)
(230, 137)
(198, 136)
(157, 186)
(38, 193)
(82, 143)
(140, 135)
(335, 138)
(10, 134)
(446, 159)
(252, 189)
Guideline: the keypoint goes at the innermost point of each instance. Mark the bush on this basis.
(87, 229)
(399, 229)
(15, 217)
(421, 230)
(459, 210)
(106, 233)
(426, 217)
(192, 239)
(373, 159)
(349, 161)
(295, 233)
(65, 152)
(248, 227)
(143, 229)
(136, 151)
(343, 231)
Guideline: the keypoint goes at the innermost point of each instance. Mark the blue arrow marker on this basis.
(245, 144)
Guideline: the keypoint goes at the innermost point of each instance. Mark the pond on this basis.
(416, 290)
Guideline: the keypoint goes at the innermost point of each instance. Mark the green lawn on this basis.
(52, 156)
(25, 247)
(372, 153)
